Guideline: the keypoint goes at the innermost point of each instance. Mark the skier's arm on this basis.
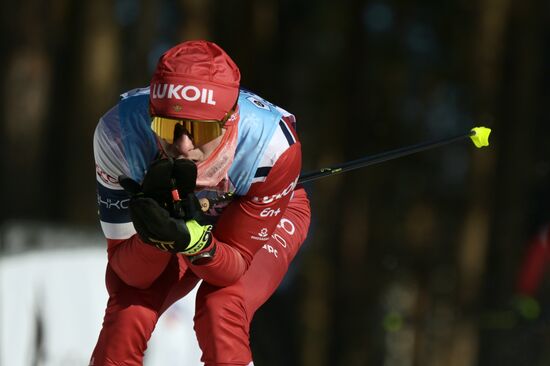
(248, 222)
(135, 262)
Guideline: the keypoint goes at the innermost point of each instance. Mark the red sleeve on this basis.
(248, 222)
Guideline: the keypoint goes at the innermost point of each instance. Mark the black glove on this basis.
(160, 217)
(166, 181)
(155, 226)
(184, 174)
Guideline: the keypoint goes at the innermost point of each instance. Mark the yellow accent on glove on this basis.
(201, 237)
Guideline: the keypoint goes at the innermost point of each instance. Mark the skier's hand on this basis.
(193, 211)
(155, 226)
(165, 181)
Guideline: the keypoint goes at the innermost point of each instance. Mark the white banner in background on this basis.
(64, 292)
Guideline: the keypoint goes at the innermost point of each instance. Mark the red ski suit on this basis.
(257, 236)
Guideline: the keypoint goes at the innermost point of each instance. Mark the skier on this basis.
(194, 134)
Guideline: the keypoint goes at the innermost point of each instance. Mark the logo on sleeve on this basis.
(104, 176)
(112, 203)
(262, 235)
(269, 212)
(285, 192)
(271, 250)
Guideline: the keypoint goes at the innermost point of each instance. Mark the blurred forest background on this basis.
(410, 262)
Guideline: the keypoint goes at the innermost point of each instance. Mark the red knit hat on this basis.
(194, 80)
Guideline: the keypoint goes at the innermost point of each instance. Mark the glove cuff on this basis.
(203, 257)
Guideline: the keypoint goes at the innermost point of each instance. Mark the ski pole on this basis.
(478, 135)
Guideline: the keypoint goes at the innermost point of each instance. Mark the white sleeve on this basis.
(110, 163)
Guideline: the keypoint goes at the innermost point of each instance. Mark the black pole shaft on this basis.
(381, 157)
